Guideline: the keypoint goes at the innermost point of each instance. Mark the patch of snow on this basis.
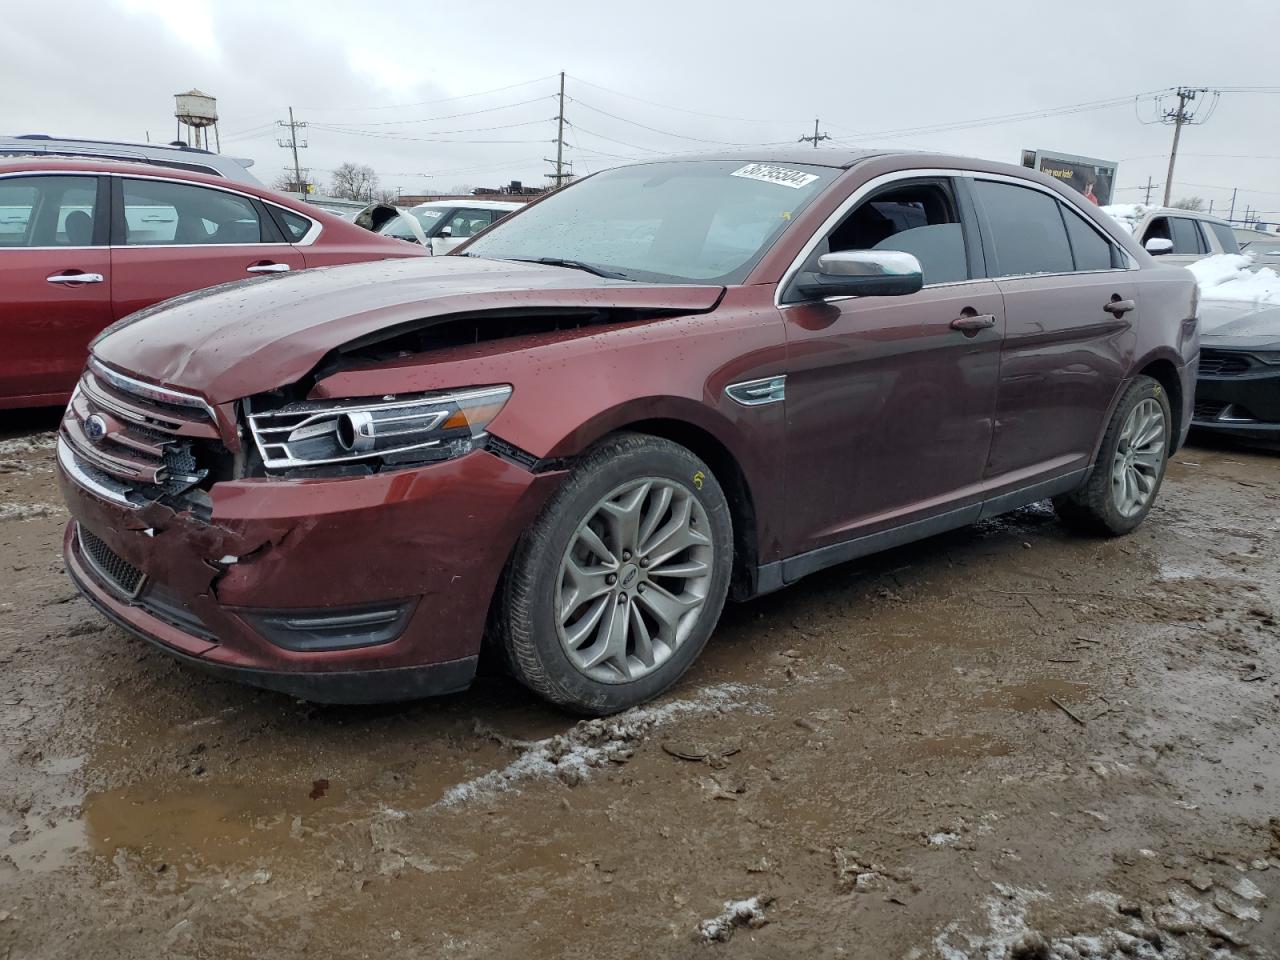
(30, 444)
(1126, 214)
(942, 839)
(571, 756)
(1246, 889)
(736, 913)
(28, 511)
(1227, 276)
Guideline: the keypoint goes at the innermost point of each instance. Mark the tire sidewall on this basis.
(559, 522)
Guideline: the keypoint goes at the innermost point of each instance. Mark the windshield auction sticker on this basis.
(779, 175)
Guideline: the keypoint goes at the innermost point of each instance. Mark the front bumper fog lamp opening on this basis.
(326, 629)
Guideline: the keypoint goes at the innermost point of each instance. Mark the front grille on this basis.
(151, 441)
(1214, 364)
(115, 571)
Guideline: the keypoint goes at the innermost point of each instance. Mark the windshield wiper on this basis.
(573, 265)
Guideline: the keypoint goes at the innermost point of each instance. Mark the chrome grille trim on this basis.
(92, 479)
(148, 391)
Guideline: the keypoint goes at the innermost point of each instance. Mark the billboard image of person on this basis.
(1092, 179)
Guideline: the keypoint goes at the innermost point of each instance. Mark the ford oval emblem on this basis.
(95, 428)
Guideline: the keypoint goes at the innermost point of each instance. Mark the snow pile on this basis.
(737, 913)
(571, 756)
(1226, 276)
(1126, 214)
(31, 444)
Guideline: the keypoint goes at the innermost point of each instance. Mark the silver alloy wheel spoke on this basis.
(634, 579)
(1139, 458)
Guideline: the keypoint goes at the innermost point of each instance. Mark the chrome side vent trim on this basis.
(755, 393)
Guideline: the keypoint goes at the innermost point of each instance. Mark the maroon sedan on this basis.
(666, 384)
(85, 242)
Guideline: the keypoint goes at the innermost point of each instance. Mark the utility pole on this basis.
(1148, 200)
(816, 136)
(559, 176)
(293, 144)
(1179, 117)
(1231, 216)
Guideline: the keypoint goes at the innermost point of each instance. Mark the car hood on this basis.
(1236, 324)
(238, 339)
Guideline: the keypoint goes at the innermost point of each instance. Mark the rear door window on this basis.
(467, 223)
(1186, 236)
(1090, 250)
(160, 212)
(48, 211)
(1027, 232)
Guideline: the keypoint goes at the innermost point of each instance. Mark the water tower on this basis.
(198, 112)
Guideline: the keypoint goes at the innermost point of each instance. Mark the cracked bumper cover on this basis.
(435, 536)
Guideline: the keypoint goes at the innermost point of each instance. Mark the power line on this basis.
(424, 103)
(667, 106)
(447, 116)
(667, 133)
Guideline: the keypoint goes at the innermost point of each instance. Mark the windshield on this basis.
(701, 221)
(428, 217)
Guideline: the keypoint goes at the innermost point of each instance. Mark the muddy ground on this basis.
(1003, 741)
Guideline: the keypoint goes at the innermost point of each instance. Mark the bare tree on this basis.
(1188, 203)
(388, 196)
(355, 181)
(285, 182)
(461, 189)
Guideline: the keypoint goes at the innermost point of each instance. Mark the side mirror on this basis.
(1158, 245)
(863, 273)
(445, 232)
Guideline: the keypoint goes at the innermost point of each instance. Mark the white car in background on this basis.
(1176, 236)
(441, 225)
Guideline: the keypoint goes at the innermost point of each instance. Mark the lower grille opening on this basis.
(111, 568)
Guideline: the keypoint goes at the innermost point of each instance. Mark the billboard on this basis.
(1095, 179)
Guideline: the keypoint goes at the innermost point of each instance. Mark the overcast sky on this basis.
(401, 85)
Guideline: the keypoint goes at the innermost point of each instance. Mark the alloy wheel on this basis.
(634, 579)
(1139, 457)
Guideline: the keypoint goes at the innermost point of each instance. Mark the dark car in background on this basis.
(1238, 389)
(86, 242)
(570, 440)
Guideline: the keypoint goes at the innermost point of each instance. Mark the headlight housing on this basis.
(388, 430)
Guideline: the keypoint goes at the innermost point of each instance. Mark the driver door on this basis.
(890, 406)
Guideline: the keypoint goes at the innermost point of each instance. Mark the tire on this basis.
(1104, 505)
(655, 615)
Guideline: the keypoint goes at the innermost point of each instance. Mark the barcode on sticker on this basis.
(779, 175)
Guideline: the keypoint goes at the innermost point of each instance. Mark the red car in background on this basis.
(86, 242)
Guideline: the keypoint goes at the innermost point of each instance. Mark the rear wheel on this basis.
(1130, 466)
(616, 587)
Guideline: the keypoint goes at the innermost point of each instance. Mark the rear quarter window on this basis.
(1226, 237)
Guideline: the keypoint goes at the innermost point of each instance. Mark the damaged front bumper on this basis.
(355, 589)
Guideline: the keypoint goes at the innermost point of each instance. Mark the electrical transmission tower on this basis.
(1180, 116)
(560, 176)
(816, 136)
(293, 144)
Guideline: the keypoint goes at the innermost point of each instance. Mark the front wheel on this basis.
(1130, 466)
(614, 590)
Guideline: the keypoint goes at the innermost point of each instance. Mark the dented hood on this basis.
(232, 341)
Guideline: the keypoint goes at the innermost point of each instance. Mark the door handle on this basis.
(1118, 307)
(973, 323)
(268, 268)
(76, 278)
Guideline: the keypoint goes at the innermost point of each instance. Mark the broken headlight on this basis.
(389, 430)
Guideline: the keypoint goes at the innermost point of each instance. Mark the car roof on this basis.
(468, 202)
(231, 168)
(1182, 212)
